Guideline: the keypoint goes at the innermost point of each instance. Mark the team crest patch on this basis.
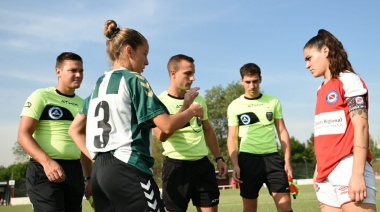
(332, 97)
(245, 119)
(199, 121)
(359, 100)
(55, 113)
(269, 116)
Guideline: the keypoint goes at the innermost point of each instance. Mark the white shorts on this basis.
(334, 190)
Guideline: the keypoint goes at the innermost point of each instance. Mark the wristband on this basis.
(87, 178)
(219, 158)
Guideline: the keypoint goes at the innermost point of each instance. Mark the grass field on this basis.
(230, 201)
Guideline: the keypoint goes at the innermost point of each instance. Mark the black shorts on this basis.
(185, 180)
(255, 170)
(120, 187)
(50, 196)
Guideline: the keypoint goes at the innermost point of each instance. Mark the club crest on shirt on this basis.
(332, 97)
(269, 116)
(55, 113)
(359, 100)
(245, 119)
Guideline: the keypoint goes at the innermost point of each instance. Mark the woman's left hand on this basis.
(357, 189)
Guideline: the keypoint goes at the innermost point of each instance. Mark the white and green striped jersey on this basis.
(119, 118)
(255, 119)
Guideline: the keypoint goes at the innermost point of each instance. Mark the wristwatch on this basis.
(219, 158)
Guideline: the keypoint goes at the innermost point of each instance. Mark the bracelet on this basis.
(219, 158)
(361, 147)
(87, 178)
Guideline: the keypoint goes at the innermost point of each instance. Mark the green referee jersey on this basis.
(54, 112)
(255, 119)
(120, 114)
(187, 143)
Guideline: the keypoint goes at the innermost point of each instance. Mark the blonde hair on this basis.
(120, 37)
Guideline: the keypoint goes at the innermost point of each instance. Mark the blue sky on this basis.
(221, 36)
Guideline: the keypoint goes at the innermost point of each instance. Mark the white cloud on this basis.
(28, 77)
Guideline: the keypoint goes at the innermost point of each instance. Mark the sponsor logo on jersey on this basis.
(330, 123)
(269, 116)
(332, 97)
(255, 104)
(70, 103)
(245, 119)
(55, 113)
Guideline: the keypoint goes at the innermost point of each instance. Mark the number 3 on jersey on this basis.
(102, 124)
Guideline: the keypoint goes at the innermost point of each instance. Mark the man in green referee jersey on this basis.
(187, 172)
(254, 119)
(54, 177)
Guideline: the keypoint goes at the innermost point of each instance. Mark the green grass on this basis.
(230, 200)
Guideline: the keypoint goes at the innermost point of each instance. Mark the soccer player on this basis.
(344, 178)
(115, 125)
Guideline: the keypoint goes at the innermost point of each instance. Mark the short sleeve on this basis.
(352, 85)
(278, 110)
(145, 102)
(86, 104)
(34, 105)
(232, 116)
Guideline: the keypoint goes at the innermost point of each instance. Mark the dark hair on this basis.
(118, 38)
(337, 55)
(250, 69)
(67, 56)
(176, 59)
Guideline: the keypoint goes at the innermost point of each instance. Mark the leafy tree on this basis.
(19, 153)
(309, 153)
(217, 99)
(5, 174)
(157, 150)
(297, 149)
(15, 172)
